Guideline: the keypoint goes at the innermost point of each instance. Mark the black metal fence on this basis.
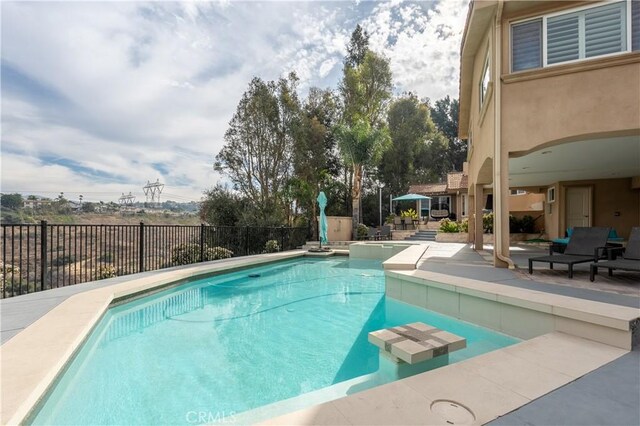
(45, 256)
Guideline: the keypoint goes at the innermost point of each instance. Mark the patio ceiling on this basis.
(593, 159)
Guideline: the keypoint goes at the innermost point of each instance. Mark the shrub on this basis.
(487, 223)
(215, 253)
(528, 224)
(107, 271)
(362, 231)
(514, 225)
(449, 226)
(390, 218)
(185, 254)
(409, 214)
(271, 246)
(7, 273)
(525, 225)
(464, 225)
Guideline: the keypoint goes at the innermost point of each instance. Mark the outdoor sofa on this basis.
(585, 245)
(630, 260)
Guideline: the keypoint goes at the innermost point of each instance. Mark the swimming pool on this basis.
(234, 342)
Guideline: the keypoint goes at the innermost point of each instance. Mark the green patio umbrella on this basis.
(322, 202)
(411, 197)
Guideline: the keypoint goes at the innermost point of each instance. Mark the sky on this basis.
(98, 98)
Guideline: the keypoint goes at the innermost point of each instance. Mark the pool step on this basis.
(429, 235)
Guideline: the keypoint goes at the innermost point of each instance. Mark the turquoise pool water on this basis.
(230, 343)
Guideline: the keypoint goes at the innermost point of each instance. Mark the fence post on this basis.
(282, 238)
(246, 240)
(43, 254)
(141, 248)
(202, 242)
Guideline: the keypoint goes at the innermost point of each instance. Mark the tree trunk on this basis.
(355, 199)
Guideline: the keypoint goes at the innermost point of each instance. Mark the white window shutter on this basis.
(563, 38)
(526, 49)
(605, 30)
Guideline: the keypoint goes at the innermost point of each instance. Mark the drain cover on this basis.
(453, 412)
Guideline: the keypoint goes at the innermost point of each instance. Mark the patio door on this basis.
(578, 206)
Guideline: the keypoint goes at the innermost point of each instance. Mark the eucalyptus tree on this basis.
(315, 160)
(409, 127)
(445, 116)
(365, 89)
(258, 149)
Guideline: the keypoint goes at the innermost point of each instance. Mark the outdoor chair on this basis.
(372, 234)
(585, 245)
(397, 221)
(385, 233)
(559, 244)
(630, 260)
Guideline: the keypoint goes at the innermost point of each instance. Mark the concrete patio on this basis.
(608, 395)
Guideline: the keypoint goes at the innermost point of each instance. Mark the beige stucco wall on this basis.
(586, 104)
(608, 197)
(481, 128)
(339, 228)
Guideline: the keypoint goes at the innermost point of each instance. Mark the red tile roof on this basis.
(430, 188)
(455, 182)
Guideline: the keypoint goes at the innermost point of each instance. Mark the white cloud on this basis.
(106, 96)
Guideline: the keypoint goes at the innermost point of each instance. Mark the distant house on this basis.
(448, 199)
(36, 203)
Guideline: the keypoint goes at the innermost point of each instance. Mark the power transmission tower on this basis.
(126, 202)
(153, 191)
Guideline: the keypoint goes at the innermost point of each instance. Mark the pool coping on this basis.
(489, 385)
(27, 375)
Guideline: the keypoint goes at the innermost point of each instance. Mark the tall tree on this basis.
(431, 162)
(365, 89)
(314, 155)
(362, 146)
(409, 127)
(221, 207)
(11, 201)
(258, 145)
(445, 116)
(357, 47)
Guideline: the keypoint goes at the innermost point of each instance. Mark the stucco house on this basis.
(550, 104)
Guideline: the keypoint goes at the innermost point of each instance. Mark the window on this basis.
(551, 195)
(440, 207)
(635, 25)
(484, 82)
(570, 36)
(465, 203)
(527, 45)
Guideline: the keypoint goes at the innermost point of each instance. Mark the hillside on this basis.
(166, 218)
